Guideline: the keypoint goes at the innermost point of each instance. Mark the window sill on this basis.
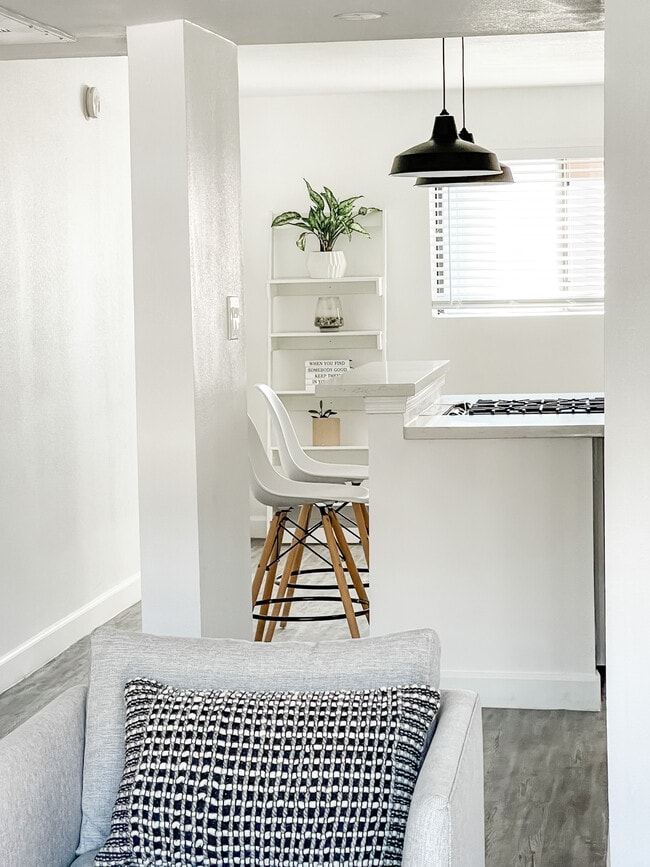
(514, 312)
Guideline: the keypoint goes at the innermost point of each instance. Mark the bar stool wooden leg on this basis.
(338, 571)
(361, 515)
(281, 594)
(296, 554)
(265, 556)
(271, 568)
(352, 566)
(295, 557)
(366, 513)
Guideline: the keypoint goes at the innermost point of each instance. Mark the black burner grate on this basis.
(531, 406)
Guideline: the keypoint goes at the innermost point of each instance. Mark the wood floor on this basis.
(545, 771)
(545, 788)
(70, 668)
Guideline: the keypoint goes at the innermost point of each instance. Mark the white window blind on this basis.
(536, 244)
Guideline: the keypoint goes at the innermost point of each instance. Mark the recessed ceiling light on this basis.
(359, 16)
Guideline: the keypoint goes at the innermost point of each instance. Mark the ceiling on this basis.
(540, 60)
(99, 25)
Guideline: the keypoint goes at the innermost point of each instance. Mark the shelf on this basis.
(360, 448)
(350, 279)
(361, 285)
(293, 338)
(322, 339)
(281, 334)
(298, 398)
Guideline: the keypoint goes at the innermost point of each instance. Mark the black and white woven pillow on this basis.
(224, 778)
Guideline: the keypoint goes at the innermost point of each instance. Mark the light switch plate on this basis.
(233, 309)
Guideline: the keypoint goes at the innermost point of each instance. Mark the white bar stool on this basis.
(300, 467)
(283, 495)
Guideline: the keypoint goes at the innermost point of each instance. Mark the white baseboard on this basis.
(259, 527)
(533, 690)
(41, 648)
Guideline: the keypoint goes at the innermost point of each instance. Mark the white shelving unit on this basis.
(293, 338)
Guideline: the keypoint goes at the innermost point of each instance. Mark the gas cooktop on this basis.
(530, 406)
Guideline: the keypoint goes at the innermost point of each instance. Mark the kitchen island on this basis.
(482, 527)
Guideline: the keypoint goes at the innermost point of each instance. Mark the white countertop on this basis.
(384, 379)
(432, 424)
(414, 388)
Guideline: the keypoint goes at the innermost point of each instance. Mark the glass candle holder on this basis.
(329, 315)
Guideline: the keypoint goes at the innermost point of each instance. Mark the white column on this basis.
(627, 428)
(191, 405)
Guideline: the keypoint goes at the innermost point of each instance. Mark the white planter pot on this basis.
(326, 265)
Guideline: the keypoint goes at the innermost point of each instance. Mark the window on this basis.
(535, 245)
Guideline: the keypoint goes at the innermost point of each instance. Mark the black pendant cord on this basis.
(462, 63)
(464, 134)
(444, 80)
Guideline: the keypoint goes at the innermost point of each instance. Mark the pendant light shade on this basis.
(446, 154)
(505, 177)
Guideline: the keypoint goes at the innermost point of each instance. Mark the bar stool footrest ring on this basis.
(365, 607)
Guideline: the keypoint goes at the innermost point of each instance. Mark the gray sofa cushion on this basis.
(40, 785)
(117, 656)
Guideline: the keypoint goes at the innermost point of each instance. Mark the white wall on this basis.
(627, 452)
(348, 142)
(68, 519)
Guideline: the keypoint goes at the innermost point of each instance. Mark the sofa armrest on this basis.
(41, 765)
(446, 819)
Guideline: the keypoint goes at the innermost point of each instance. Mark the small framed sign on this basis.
(318, 369)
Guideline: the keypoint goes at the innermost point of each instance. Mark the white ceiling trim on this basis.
(15, 29)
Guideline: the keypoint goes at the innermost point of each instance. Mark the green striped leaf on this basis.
(287, 217)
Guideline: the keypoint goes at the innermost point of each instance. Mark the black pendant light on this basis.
(504, 177)
(446, 154)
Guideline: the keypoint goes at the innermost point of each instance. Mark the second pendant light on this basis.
(446, 154)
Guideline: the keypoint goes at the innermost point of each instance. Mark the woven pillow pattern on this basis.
(226, 778)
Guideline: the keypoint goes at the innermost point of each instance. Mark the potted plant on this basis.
(326, 430)
(328, 219)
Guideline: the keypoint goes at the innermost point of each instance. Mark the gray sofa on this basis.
(60, 771)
